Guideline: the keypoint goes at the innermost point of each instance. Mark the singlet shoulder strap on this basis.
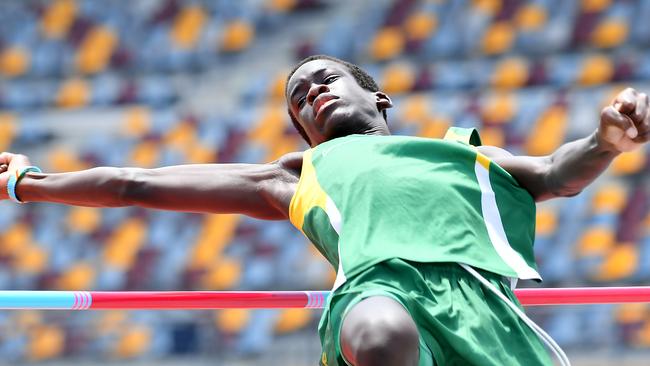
(468, 136)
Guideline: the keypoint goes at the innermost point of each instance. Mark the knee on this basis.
(387, 342)
(381, 338)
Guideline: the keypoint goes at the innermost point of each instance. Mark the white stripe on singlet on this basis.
(550, 343)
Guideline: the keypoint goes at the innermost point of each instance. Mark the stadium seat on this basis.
(187, 27)
(387, 44)
(552, 126)
(237, 35)
(73, 93)
(224, 274)
(122, 246)
(498, 38)
(45, 342)
(216, 233)
(133, 342)
(397, 78)
(231, 321)
(596, 69)
(290, 320)
(80, 276)
(8, 130)
(14, 61)
(510, 73)
(58, 18)
(94, 53)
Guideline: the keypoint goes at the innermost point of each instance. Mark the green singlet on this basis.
(394, 214)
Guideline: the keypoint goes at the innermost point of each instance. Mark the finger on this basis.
(5, 157)
(643, 111)
(625, 101)
(616, 124)
(640, 110)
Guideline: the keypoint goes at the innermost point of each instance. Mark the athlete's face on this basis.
(328, 102)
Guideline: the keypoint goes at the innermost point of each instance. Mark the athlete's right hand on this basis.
(9, 163)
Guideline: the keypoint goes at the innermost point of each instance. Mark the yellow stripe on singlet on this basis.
(308, 195)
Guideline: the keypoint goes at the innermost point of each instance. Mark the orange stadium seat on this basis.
(94, 53)
(215, 235)
(593, 6)
(15, 238)
(397, 78)
(8, 129)
(610, 198)
(435, 127)
(133, 342)
(510, 73)
(79, 276)
(387, 44)
(231, 321)
(281, 5)
(499, 108)
(224, 274)
(65, 160)
(620, 263)
(270, 126)
(187, 27)
(610, 33)
(493, 136)
(45, 342)
(545, 222)
(531, 17)
(596, 69)
(291, 320)
(237, 36)
(420, 26)
(630, 162)
(498, 38)
(73, 93)
(551, 125)
(596, 241)
(124, 243)
(146, 154)
(14, 61)
(136, 121)
(490, 7)
(58, 18)
(415, 109)
(83, 219)
(30, 260)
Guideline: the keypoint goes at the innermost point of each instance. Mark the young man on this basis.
(422, 231)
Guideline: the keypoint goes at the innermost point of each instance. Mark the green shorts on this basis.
(459, 320)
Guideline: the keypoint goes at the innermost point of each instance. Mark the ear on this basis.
(383, 101)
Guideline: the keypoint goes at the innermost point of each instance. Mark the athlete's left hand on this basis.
(625, 124)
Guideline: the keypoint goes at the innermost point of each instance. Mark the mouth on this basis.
(322, 102)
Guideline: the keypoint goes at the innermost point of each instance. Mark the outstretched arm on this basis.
(624, 126)
(258, 190)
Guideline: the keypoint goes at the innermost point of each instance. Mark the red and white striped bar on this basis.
(175, 300)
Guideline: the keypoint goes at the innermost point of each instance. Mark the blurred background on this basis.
(149, 83)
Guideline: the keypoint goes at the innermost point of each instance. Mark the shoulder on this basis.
(493, 152)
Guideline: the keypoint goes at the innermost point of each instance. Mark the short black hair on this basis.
(363, 79)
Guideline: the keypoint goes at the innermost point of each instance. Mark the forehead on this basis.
(308, 69)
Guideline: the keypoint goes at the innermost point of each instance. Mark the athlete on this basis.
(426, 234)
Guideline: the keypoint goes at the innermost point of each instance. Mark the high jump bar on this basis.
(175, 300)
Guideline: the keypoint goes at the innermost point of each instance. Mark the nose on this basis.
(314, 91)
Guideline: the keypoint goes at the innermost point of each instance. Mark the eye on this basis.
(301, 101)
(330, 79)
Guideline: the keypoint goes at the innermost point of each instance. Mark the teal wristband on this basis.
(13, 180)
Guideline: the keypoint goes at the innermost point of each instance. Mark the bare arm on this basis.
(258, 190)
(624, 126)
